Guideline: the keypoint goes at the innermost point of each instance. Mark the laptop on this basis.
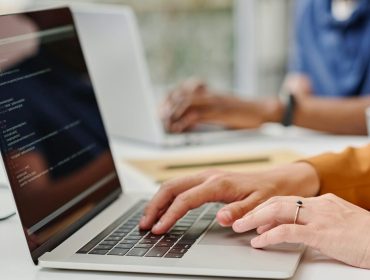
(72, 207)
(114, 52)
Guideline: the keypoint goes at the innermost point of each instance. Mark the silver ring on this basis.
(299, 204)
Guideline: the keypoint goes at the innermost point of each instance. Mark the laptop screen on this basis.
(52, 137)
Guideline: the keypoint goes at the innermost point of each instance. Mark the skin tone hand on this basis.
(327, 223)
(242, 192)
(193, 103)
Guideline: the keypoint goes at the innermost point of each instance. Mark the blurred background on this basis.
(239, 45)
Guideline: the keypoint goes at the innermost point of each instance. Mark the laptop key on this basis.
(124, 241)
(121, 230)
(148, 246)
(172, 236)
(182, 246)
(108, 243)
(208, 216)
(99, 252)
(153, 236)
(164, 244)
(186, 242)
(178, 251)
(139, 232)
(177, 232)
(185, 224)
(157, 252)
(170, 240)
(118, 226)
(197, 229)
(131, 224)
(113, 238)
(178, 228)
(103, 247)
(133, 237)
(118, 252)
(173, 255)
(125, 246)
(148, 241)
(137, 252)
(118, 234)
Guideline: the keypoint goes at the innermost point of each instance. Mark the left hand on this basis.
(242, 192)
(327, 223)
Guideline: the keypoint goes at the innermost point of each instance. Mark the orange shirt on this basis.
(345, 174)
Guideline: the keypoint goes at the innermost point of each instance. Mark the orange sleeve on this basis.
(345, 174)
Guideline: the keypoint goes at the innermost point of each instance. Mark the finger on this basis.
(187, 121)
(196, 115)
(272, 200)
(280, 211)
(193, 198)
(194, 85)
(180, 107)
(174, 101)
(169, 106)
(284, 233)
(164, 197)
(192, 102)
(186, 96)
(264, 228)
(165, 110)
(235, 210)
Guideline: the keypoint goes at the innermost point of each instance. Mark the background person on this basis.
(329, 76)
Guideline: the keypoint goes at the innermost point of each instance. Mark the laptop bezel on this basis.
(60, 237)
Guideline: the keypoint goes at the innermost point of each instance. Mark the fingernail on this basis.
(226, 215)
(238, 224)
(255, 242)
(157, 226)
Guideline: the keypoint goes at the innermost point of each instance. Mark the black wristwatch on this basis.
(289, 103)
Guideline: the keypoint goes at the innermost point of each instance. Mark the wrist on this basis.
(309, 177)
(298, 178)
(274, 110)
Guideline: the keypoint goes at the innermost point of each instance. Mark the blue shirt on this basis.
(334, 54)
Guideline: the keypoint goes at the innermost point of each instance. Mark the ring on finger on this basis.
(299, 205)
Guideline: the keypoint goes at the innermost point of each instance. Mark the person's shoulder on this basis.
(301, 7)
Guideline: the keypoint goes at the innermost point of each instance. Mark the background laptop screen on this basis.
(52, 137)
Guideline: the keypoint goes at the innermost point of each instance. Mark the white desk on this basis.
(15, 262)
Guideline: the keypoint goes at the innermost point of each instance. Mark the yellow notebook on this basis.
(165, 168)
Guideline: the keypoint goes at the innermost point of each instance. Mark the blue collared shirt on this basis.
(334, 54)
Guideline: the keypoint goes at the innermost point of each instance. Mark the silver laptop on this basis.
(70, 202)
(116, 59)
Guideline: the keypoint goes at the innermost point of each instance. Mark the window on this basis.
(232, 44)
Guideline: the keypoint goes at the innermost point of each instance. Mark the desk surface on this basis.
(16, 264)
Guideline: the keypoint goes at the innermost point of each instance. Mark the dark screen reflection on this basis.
(51, 134)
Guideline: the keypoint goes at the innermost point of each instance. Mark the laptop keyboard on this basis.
(124, 238)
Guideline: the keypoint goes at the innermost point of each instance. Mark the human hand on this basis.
(327, 223)
(193, 103)
(242, 191)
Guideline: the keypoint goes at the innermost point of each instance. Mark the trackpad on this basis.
(221, 236)
(218, 235)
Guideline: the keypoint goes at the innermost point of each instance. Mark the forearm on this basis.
(333, 115)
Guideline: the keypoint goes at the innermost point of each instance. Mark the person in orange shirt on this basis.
(322, 202)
